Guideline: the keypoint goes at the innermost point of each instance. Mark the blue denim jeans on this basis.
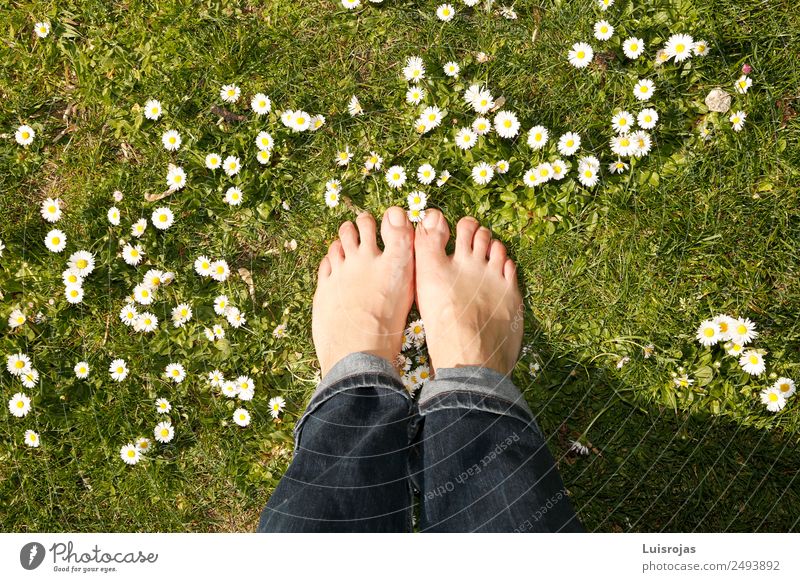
(469, 450)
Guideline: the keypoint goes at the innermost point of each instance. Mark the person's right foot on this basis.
(469, 301)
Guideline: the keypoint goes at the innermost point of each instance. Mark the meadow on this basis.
(621, 267)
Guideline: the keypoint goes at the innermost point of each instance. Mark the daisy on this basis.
(544, 172)
(444, 176)
(605, 4)
(142, 444)
(220, 270)
(537, 137)
(316, 122)
(279, 331)
(617, 167)
(431, 117)
(118, 370)
(402, 362)
(644, 89)
(481, 126)
(235, 318)
(171, 140)
(216, 378)
(218, 331)
(580, 55)
(73, 294)
(623, 145)
(708, 334)
(176, 177)
(163, 406)
(209, 333)
(17, 364)
(501, 166)
(181, 314)
(603, 30)
(128, 314)
(132, 254)
(343, 157)
(773, 399)
(164, 432)
(331, 198)
(213, 161)
(230, 93)
(737, 119)
(130, 454)
(55, 241)
(506, 124)
(240, 415)
(451, 69)
(19, 405)
(221, 303)
(229, 389)
(396, 177)
(414, 69)
(81, 370)
(113, 216)
(734, 349)
(529, 178)
(588, 175)
(683, 381)
(743, 331)
(233, 196)
(152, 109)
(445, 12)
(647, 118)
(42, 29)
(560, 169)
(29, 378)
(466, 138)
(300, 121)
(700, 48)
(354, 107)
(752, 362)
(482, 101)
(633, 47)
(202, 266)
(426, 174)
(31, 438)
(70, 278)
(415, 95)
(417, 200)
(679, 47)
(263, 156)
(145, 322)
(24, 135)
(416, 331)
(351, 4)
(260, 104)
(51, 209)
(416, 215)
(743, 84)
(246, 388)
(232, 165)
(372, 162)
(642, 143)
(622, 122)
(569, 143)
(175, 372)
(143, 294)
(138, 227)
(276, 405)
(725, 324)
(482, 173)
(785, 386)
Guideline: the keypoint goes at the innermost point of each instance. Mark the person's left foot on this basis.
(364, 294)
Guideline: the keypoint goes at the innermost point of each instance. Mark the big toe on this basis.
(396, 232)
(431, 236)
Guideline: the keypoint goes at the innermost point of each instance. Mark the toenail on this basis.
(396, 216)
(431, 219)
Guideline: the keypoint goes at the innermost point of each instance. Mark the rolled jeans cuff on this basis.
(354, 371)
(474, 388)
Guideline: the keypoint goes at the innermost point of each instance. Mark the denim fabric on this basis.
(471, 448)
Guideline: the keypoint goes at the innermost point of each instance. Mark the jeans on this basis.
(469, 448)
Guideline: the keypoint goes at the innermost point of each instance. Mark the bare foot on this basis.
(364, 295)
(470, 301)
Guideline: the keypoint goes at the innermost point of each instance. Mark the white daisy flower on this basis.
(679, 47)
(171, 140)
(29, 378)
(164, 432)
(17, 364)
(431, 117)
(647, 118)
(128, 314)
(42, 29)
(221, 304)
(537, 137)
(633, 47)
(603, 30)
(444, 176)
(451, 69)
(445, 12)
(622, 122)
(229, 389)
(785, 386)
(354, 107)
(130, 454)
(644, 89)
(709, 333)
(213, 161)
(544, 173)
(344, 156)
(51, 209)
(416, 215)
(402, 362)
(506, 124)
(683, 381)
(725, 324)
(743, 331)
(81, 370)
(752, 362)
(230, 93)
(132, 255)
(372, 162)
(279, 331)
(605, 4)
(231, 165)
(209, 333)
(73, 294)
(55, 241)
(240, 415)
(700, 48)
(415, 95)
(642, 142)
(218, 331)
(143, 444)
(113, 215)
(176, 177)
(31, 438)
(317, 122)
(466, 138)
(482, 173)
(264, 141)
(331, 198)
(416, 331)
(414, 69)
(501, 166)
(152, 109)
(181, 313)
(145, 322)
(162, 218)
(396, 176)
(138, 227)
(235, 318)
(24, 135)
(737, 120)
(263, 156)
(68, 277)
(260, 104)
(617, 167)
(143, 294)
(743, 83)
(247, 388)
(233, 196)
(773, 399)
(588, 175)
(569, 143)
(276, 405)
(300, 121)
(163, 406)
(580, 55)
(175, 372)
(426, 174)
(623, 145)
(350, 5)
(202, 266)
(560, 169)
(529, 178)
(216, 378)
(19, 405)
(481, 126)
(118, 370)
(417, 200)
(220, 270)
(481, 100)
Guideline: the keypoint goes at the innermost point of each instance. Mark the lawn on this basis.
(617, 277)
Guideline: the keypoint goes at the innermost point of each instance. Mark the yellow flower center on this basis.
(507, 123)
(56, 240)
(154, 110)
(773, 397)
(20, 404)
(754, 360)
(131, 453)
(680, 48)
(81, 263)
(73, 293)
(164, 432)
(205, 265)
(301, 120)
(709, 332)
(262, 103)
(395, 176)
(25, 135)
(784, 387)
(624, 142)
(741, 330)
(570, 143)
(51, 209)
(634, 47)
(172, 139)
(19, 364)
(581, 54)
(417, 200)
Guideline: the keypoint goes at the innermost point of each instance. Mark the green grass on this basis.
(696, 228)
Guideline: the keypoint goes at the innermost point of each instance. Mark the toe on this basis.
(324, 268)
(396, 232)
(481, 242)
(510, 271)
(335, 254)
(431, 236)
(465, 231)
(366, 231)
(349, 237)
(497, 256)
